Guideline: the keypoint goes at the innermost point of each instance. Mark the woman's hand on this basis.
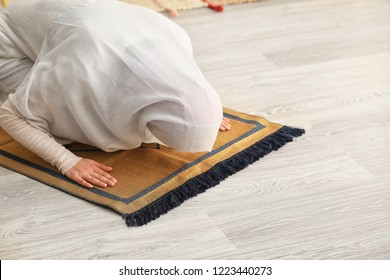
(90, 173)
(225, 124)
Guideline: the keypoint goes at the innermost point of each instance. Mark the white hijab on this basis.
(114, 75)
(14, 66)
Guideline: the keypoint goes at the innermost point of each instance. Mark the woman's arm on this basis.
(86, 172)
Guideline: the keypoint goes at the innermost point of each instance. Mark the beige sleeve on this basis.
(36, 140)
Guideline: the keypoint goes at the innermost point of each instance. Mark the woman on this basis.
(103, 73)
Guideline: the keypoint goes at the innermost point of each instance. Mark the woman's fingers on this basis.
(225, 124)
(82, 182)
(89, 173)
(102, 170)
(105, 177)
(102, 166)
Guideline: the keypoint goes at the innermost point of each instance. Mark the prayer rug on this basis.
(154, 179)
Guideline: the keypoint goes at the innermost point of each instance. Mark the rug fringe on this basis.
(213, 177)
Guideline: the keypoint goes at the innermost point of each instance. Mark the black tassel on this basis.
(212, 177)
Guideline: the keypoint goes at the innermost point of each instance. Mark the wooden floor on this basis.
(323, 65)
